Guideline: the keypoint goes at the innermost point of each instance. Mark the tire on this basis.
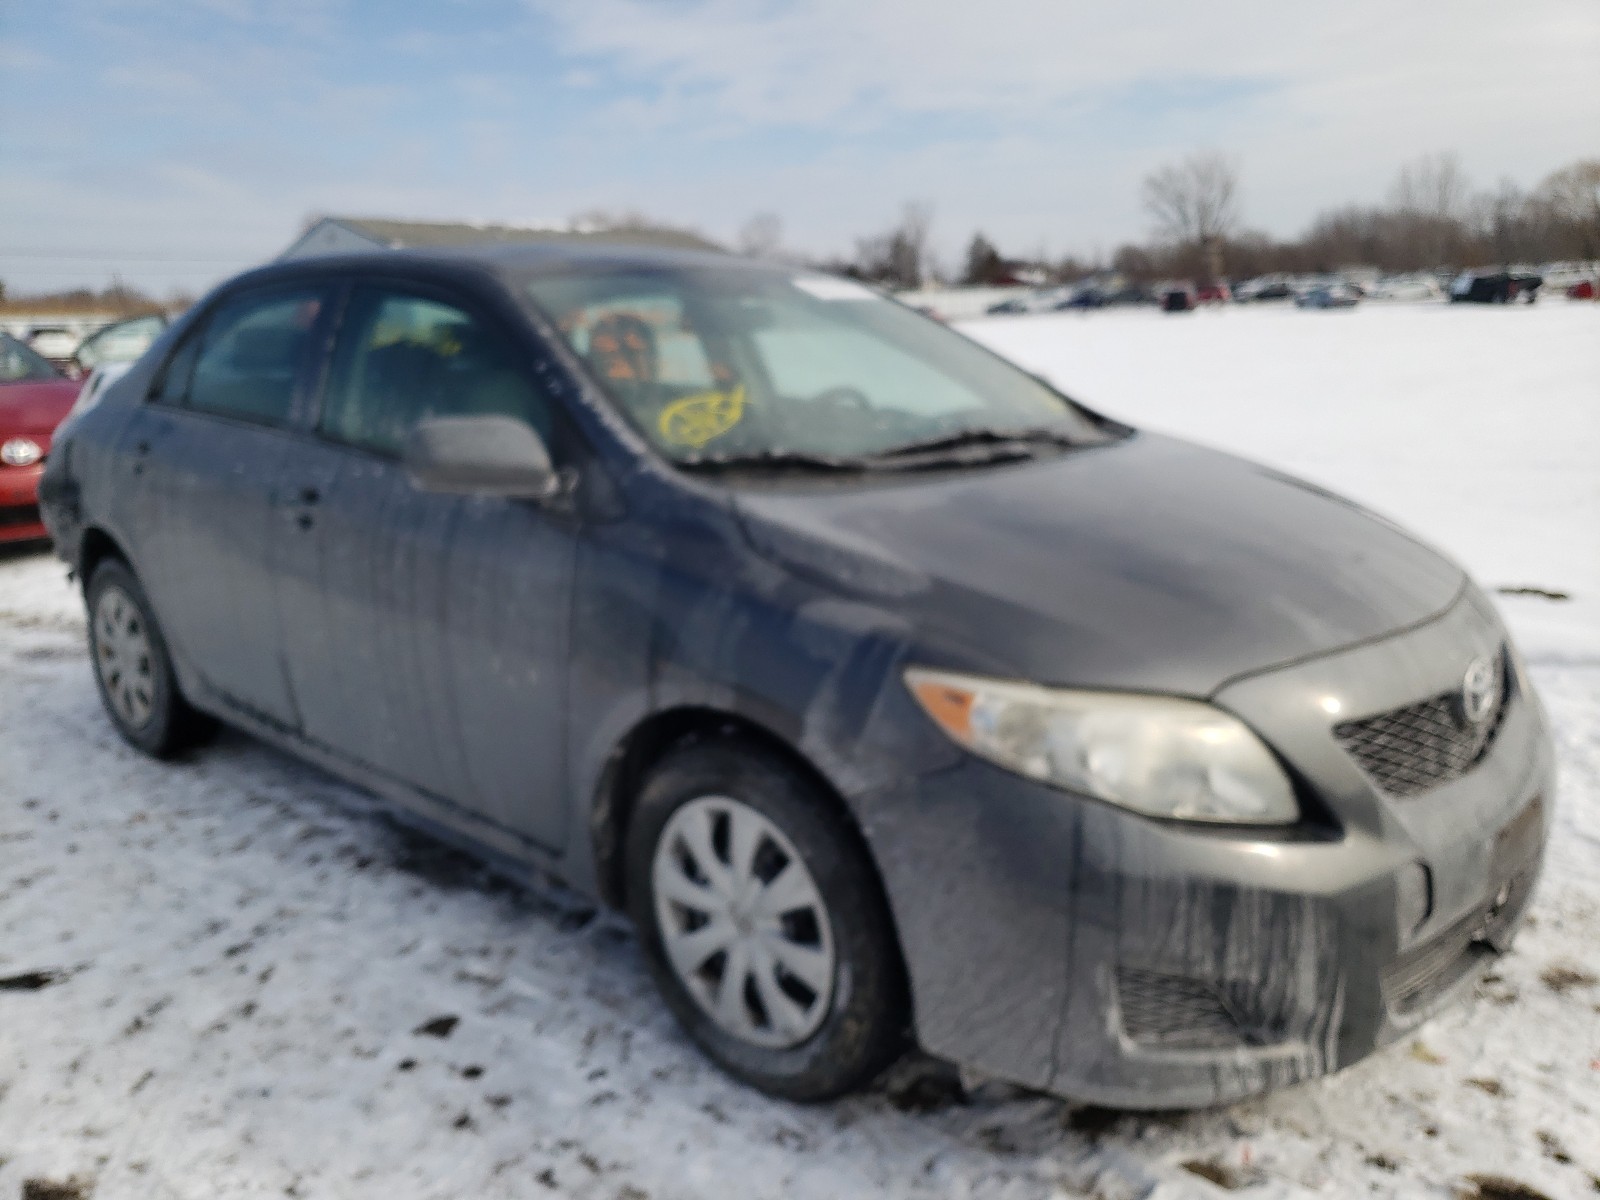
(132, 668)
(828, 1032)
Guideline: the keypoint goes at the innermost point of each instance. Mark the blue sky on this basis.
(175, 141)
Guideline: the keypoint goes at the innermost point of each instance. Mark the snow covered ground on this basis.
(233, 977)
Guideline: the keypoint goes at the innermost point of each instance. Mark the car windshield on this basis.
(765, 367)
(18, 364)
(122, 342)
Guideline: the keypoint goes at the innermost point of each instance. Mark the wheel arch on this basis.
(649, 741)
(656, 736)
(94, 547)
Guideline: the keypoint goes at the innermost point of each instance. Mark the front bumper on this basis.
(19, 504)
(1074, 947)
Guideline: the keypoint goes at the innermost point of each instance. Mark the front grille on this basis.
(1411, 749)
(18, 514)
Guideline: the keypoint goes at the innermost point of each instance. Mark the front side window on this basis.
(746, 363)
(250, 356)
(404, 357)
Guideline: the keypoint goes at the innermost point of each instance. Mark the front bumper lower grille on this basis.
(1420, 746)
(1428, 970)
(12, 515)
(1178, 1012)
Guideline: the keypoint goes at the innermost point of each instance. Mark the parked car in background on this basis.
(1584, 289)
(1213, 293)
(1562, 277)
(55, 343)
(1328, 295)
(891, 692)
(1264, 287)
(1082, 296)
(1034, 300)
(120, 342)
(1407, 288)
(1176, 296)
(1131, 293)
(107, 353)
(34, 398)
(1495, 287)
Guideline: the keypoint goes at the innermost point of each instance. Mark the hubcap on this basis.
(122, 657)
(743, 923)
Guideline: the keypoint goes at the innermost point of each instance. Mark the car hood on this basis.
(34, 408)
(1146, 564)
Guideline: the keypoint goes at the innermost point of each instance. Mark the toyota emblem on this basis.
(1480, 691)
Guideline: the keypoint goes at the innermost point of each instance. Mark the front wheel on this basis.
(763, 923)
(132, 667)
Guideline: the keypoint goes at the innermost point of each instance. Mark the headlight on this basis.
(1156, 755)
(20, 452)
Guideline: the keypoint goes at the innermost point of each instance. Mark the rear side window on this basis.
(403, 357)
(249, 358)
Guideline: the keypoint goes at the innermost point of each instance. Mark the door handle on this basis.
(309, 495)
(142, 448)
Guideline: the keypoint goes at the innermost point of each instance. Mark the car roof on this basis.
(520, 260)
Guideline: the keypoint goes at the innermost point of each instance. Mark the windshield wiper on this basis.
(970, 447)
(991, 443)
(775, 460)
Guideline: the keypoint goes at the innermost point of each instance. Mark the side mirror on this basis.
(482, 456)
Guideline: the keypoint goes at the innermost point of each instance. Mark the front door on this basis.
(426, 634)
(204, 456)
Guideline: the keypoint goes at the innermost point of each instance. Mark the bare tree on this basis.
(1430, 198)
(1498, 220)
(761, 236)
(899, 257)
(1571, 198)
(1195, 203)
(1432, 186)
(984, 266)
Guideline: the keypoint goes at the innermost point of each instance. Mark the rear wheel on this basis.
(132, 667)
(763, 923)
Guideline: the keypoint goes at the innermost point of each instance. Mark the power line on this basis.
(111, 270)
(119, 256)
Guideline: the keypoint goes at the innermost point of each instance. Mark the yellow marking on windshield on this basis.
(697, 419)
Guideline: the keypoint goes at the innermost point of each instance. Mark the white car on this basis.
(54, 342)
(120, 342)
(1410, 288)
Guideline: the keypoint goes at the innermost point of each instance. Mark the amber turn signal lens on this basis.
(950, 707)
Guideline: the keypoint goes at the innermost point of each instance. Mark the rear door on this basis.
(204, 457)
(426, 633)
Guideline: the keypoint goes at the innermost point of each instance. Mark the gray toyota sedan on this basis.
(896, 696)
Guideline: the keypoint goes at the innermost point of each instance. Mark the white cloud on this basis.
(1031, 119)
(808, 60)
(1334, 98)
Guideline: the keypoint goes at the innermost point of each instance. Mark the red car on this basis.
(34, 398)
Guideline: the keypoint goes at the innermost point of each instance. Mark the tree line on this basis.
(1433, 218)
